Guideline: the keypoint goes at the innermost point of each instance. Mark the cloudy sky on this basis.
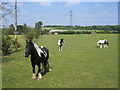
(58, 13)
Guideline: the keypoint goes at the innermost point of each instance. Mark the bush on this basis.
(44, 31)
(74, 32)
(32, 34)
(6, 43)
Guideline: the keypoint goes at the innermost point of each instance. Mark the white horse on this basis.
(102, 44)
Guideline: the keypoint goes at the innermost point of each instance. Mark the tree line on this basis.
(94, 27)
(23, 29)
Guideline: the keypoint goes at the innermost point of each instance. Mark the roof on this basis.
(57, 30)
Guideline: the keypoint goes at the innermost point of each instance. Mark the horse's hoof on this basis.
(39, 78)
(33, 78)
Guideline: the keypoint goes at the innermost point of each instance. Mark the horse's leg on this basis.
(59, 48)
(33, 76)
(49, 67)
(105, 46)
(43, 67)
(39, 74)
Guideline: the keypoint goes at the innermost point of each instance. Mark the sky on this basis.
(58, 13)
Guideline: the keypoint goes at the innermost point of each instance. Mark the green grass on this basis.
(80, 65)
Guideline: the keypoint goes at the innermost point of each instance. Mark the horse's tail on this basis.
(108, 43)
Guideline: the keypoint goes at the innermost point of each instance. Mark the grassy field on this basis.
(80, 65)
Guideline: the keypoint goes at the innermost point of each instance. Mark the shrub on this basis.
(44, 31)
(32, 34)
(75, 32)
(6, 43)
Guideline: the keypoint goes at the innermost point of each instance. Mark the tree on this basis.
(31, 34)
(38, 25)
(25, 26)
(10, 31)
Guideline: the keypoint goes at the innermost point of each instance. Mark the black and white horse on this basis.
(39, 56)
(60, 43)
(102, 44)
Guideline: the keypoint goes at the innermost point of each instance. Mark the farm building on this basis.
(56, 31)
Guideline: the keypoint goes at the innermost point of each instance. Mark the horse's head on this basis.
(61, 40)
(29, 48)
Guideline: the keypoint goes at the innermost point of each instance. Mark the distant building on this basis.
(56, 31)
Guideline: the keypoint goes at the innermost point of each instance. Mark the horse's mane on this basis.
(39, 51)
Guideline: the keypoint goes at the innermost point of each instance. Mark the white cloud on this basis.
(97, 5)
(47, 4)
(71, 2)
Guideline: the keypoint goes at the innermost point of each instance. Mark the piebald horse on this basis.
(60, 44)
(39, 55)
(102, 44)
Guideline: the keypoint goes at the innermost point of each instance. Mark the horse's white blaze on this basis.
(39, 51)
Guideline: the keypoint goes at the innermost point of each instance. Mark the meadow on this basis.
(79, 65)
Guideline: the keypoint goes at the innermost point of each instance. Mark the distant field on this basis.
(80, 65)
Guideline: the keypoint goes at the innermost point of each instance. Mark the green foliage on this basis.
(44, 31)
(94, 27)
(74, 32)
(10, 30)
(6, 43)
(38, 25)
(31, 34)
(20, 29)
(16, 44)
(107, 29)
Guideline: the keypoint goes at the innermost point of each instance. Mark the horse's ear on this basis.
(26, 41)
(30, 41)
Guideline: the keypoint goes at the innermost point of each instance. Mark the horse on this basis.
(102, 44)
(60, 43)
(39, 56)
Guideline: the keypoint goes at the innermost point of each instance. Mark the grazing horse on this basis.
(102, 44)
(39, 55)
(60, 43)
